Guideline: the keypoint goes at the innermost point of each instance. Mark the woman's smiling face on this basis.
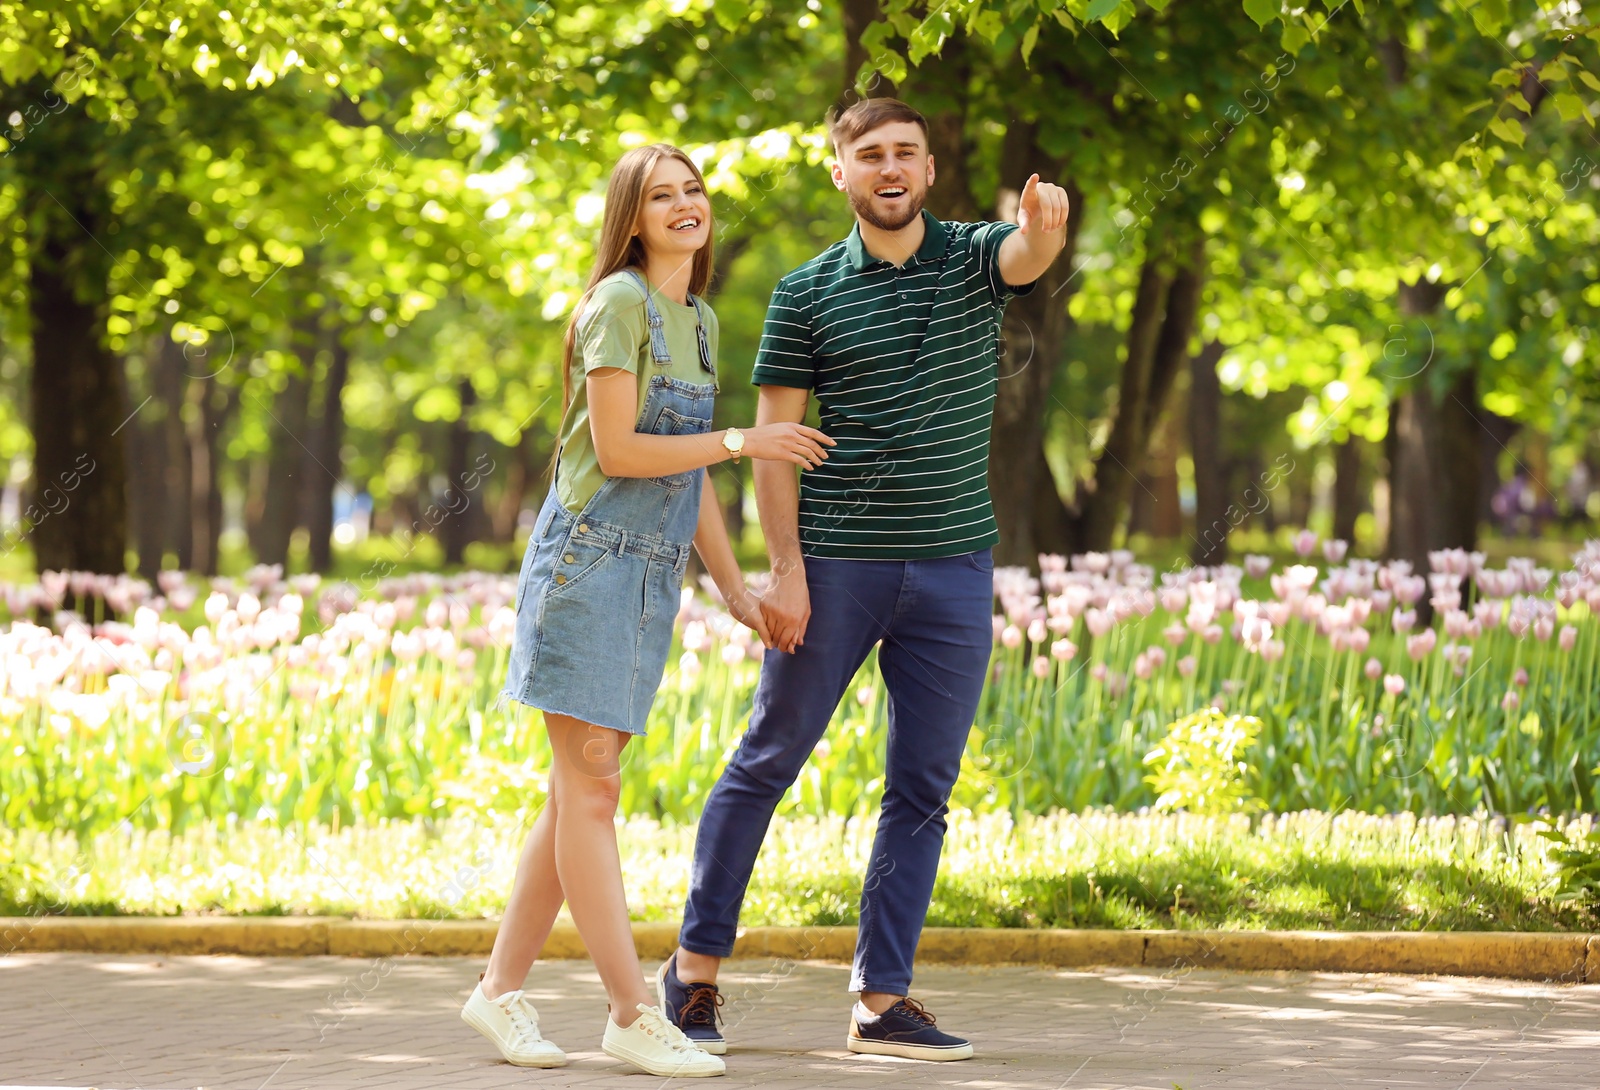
(676, 216)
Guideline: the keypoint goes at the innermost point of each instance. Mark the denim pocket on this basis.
(579, 559)
(671, 423)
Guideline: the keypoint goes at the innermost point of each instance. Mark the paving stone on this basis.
(156, 1022)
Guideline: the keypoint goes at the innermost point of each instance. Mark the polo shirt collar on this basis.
(935, 241)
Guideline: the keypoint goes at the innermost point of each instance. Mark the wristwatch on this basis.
(733, 442)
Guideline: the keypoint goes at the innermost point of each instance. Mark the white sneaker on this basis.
(513, 1025)
(655, 1045)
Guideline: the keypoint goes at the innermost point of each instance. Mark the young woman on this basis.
(600, 585)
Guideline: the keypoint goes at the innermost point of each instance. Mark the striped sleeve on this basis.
(785, 357)
(986, 240)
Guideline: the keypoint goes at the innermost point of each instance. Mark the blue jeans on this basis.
(934, 618)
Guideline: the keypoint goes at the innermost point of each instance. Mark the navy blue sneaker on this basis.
(692, 1007)
(905, 1029)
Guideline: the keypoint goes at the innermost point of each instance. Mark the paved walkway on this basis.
(231, 1023)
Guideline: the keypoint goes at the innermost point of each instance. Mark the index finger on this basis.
(813, 433)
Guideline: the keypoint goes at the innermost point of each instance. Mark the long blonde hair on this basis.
(620, 248)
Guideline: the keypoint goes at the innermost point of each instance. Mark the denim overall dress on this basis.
(599, 591)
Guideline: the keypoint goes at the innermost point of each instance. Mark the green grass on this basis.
(1096, 870)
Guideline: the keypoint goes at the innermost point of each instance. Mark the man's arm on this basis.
(787, 604)
(1041, 233)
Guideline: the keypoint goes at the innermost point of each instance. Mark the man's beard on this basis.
(863, 208)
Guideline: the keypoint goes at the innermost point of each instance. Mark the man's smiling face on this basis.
(886, 174)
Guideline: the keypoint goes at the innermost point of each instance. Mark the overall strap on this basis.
(706, 362)
(658, 328)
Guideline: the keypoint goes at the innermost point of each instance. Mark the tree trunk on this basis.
(1347, 487)
(1417, 474)
(1209, 546)
(1032, 336)
(1106, 506)
(146, 451)
(327, 447)
(77, 404)
(456, 528)
(174, 379)
(1461, 441)
(214, 406)
(285, 468)
(522, 472)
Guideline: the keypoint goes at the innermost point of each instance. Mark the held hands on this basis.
(1043, 207)
(787, 442)
(746, 608)
(787, 607)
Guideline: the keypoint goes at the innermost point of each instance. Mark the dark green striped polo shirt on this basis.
(902, 362)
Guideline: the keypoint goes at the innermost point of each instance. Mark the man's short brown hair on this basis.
(848, 126)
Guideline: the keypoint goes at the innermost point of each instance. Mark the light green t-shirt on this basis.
(613, 331)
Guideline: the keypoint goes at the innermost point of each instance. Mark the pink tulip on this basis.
(1041, 666)
(1175, 634)
(1142, 667)
(1403, 620)
(1272, 650)
(1358, 639)
(1569, 637)
(1099, 622)
(1544, 628)
(1333, 550)
(1510, 701)
(1373, 669)
(1394, 684)
(1011, 637)
(1063, 650)
(1305, 543)
(1421, 645)
(1257, 567)
(1212, 634)
(689, 664)
(1037, 632)
(1520, 678)
(1098, 671)
(1186, 665)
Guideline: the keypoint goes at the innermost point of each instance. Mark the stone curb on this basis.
(1572, 957)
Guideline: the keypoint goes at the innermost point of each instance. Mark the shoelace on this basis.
(524, 1019)
(916, 1011)
(655, 1024)
(700, 1009)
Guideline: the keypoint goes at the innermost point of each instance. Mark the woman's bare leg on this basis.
(536, 898)
(585, 775)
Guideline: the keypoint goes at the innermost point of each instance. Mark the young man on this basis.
(896, 331)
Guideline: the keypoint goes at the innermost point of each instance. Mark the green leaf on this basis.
(1262, 11)
(1158, 6)
(1474, 107)
(1099, 9)
(1505, 77)
(1554, 72)
(1589, 79)
(1294, 38)
(1029, 40)
(1509, 131)
(1490, 16)
(1571, 107)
